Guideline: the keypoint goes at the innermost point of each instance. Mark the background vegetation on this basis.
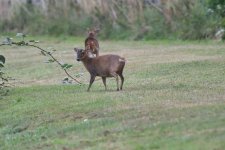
(118, 19)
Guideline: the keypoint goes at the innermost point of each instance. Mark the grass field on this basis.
(173, 99)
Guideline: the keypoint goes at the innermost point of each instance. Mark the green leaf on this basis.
(69, 66)
(43, 53)
(21, 43)
(51, 60)
(2, 59)
(1, 65)
(66, 66)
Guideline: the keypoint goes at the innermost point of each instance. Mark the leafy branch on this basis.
(64, 67)
(3, 79)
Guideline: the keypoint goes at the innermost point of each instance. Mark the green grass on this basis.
(173, 98)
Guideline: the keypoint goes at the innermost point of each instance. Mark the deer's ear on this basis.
(75, 49)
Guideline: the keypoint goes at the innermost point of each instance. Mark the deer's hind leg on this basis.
(104, 82)
(115, 75)
(122, 80)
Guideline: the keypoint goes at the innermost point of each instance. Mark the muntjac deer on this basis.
(103, 66)
(91, 43)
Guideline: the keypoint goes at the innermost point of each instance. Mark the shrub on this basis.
(128, 19)
(197, 23)
(3, 79)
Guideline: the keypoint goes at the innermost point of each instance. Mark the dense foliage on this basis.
(3, 79)
(218, 7)
(128, 19)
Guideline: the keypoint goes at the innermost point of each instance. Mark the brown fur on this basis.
(103, 66)
(91, 43)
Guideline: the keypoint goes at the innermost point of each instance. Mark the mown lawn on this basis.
(173, 98)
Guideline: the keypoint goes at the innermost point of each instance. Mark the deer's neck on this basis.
(88, 63)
